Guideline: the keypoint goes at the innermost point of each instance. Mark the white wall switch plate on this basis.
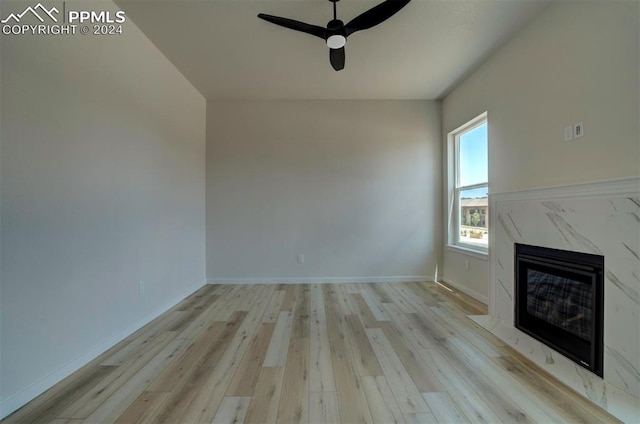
(300, 259)
(568, 133)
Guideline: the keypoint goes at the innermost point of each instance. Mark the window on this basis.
(468, 186)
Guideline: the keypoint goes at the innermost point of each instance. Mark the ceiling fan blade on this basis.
(336, 56)
(295, 25)
(375, 15)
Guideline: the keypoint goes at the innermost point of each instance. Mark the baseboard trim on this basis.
(15, 402)
(322, 280)
(477, 296)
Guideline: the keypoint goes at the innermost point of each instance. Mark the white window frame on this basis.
(454, 188)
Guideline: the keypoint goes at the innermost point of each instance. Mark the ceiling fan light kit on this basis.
(336, 32)
(336, 41)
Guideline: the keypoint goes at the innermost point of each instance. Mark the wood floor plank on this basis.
(421, 419)
(262, 299)
(443, 326)
(381, 295)
(487, 392)
(112, 407)
(363, 312)
(276, 355)
(301, 313)
(364, 357)
(294, 402)
(511, 386)
(321, 368)
(398, 300)
(56, 400)
(140, 339)
(382, 404)
(222, 340)
(402, 292)
(144, 406)
(318, 313)
(428, 329)
(404, 389)
(289, 298)
(468, 329)
(420, 289)
(458, 388)
(195, 298)
(352, 401)
(205, 347)
(226, 354)
(441, 291)
(207, 400)
(228, 302)
(191, 313)
(343, 298)
(191, 380)
(323, 408)
(245, 378)
(423, 378)
(374, 306)
(274, 306)
(445, 408)
(409, 331)
(251, 298)
(232, 410)
(263, 408)
(202, 321)
(94, 398)
(552, 392)
(336, 326)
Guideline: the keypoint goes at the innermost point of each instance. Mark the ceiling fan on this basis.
(336, 32)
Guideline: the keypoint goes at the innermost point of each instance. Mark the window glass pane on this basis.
(474, 216)
(473, 159)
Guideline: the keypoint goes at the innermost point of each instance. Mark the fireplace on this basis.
(559, 301)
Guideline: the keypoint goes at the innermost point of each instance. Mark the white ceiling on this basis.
(419, 53)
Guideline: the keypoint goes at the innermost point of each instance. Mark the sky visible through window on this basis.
(474, 160)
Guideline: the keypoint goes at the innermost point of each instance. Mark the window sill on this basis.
(478, 254)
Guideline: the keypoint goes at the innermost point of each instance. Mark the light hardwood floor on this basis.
(350, 353)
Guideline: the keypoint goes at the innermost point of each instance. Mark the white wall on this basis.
(103, 171)
(577, 61)
(355, 186)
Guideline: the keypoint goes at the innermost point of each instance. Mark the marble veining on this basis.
(568, 231)
(505, 227)
(630, 371)
(629, 291)
(515, 227)
(601, 223)
(630, 249)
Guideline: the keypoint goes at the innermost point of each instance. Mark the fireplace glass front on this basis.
(559, 301)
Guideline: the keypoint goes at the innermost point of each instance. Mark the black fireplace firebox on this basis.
(560, 301)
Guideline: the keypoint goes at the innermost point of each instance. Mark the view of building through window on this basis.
(472, 187)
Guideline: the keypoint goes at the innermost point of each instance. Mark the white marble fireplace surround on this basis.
(601, 218)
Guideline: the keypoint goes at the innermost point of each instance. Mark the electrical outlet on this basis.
(467, 265)
(300, 259)
(141, 288)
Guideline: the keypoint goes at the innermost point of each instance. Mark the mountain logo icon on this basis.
(34, 11)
